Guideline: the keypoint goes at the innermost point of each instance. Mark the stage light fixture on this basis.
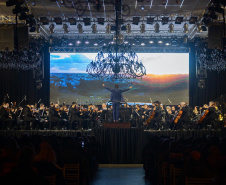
(174, 41)
(179, 20)
(126, 42)
(185, 39)
(185, 28)
(165, 20)
(86, 21)
(151, 42)
(160, 41)
(128, 28)
(33, 3)
(72, 21)
(199, 28)
(94, 28)
(57, 20)
(108, 28)
(204, 28)
(142, 44)
(80, 30)
(193, 20)
(51, 28)
(44, 20)
(150, 20)
(157, 26)
(65, 27)
(78, 42)
(70, 44)
(95, 44)
(87, 42)
(167, 44)
(38, 28)
(142, 28)
(100, 21)
(171, 28)
(136, 20)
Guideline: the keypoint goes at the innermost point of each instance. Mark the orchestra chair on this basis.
(71, 174)
(51, 179)
(174, 174)
(198, 181)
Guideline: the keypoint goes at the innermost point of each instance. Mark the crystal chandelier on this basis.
(212, 59)
(117, 60)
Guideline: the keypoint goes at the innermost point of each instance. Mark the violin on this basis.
(150, 117)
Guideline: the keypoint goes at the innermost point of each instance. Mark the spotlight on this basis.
(44, 20)
(33, 3)
(126, 42)
(142, 28)
(151, 42)
(38, 28)
(100, 21)
(193, 20)
(65, 27)
(57, 20)
(128, 28)
(167, 44)
(95, 44)
(87, 42)
(80, 30)
(136, 20)
(150, 20)
(94, 28)
(86, 21)
(78, 42)
(142, 44)
(185, 39)
(199, 28)
(11, 3)
(51, 28)
(108, 28)
(171, 27)
(72, 21)
(185, 28)
(157, 28)
(179, 20)
(165, 20)
(70, 44)
(160, 41)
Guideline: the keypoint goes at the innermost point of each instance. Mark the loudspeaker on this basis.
(215, 36)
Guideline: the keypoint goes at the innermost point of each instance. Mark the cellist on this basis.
(155, 116)
(183, 116)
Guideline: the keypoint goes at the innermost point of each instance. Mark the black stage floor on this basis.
(119, 145)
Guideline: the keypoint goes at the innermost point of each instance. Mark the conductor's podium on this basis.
(117, 125)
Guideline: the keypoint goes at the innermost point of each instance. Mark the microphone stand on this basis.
(21, 101)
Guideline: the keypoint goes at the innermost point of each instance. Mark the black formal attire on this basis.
(29, 119)
(6, 121)
(155, 122)
(54, 118)
(75, 119)
(210, 118)
(184, 119)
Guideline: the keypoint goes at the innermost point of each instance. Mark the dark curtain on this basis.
(17, 84)
(215, 85)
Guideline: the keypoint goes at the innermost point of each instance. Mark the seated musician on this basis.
(75, 119)
(29, 118)
(155, 121)
(42, 115)
(211, 115)
(185, 117)
(6, 118)
(54, 116)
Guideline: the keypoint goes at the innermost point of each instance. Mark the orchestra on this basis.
(155, 116)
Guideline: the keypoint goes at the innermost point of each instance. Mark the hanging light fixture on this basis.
(157, 28)
(142, 28)
(79, 26)
(65, 27)
(117, 60)
(51, 28)
(128, 28)
(94, 28)
(108, 28)
(185, 28)
(171, 28)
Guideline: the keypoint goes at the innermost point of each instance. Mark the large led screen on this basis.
(167, 79)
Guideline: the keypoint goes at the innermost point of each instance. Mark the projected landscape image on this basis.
(167, 78)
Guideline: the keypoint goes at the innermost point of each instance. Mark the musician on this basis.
(185, 117)
(54, 116)
(75, 119)
(42, 115)
(212, 114)
(6, 118)
(154, 123)
(116, 98)
(28, 117)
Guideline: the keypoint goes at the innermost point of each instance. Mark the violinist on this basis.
(157, 116)
(75, 119)
(42, 115)
(54, 116)
(6, 118)
(29, 118)
(185, 116)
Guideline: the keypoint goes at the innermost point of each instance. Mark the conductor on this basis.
(116, 98)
